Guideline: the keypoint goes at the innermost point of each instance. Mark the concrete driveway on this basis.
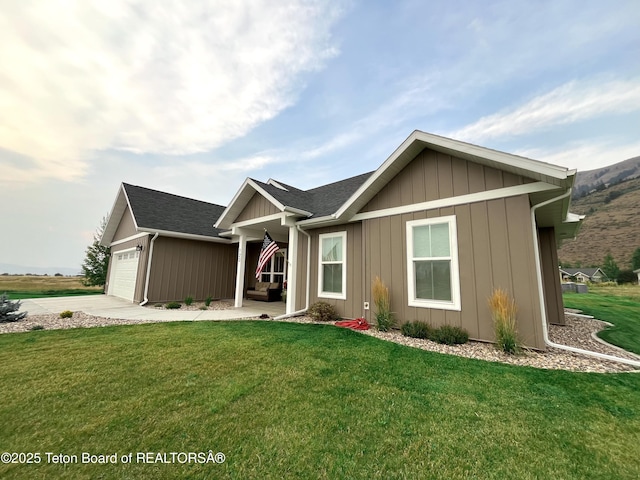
(113, 307)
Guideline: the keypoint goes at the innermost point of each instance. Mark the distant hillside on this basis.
(604, 177)
(21, 270)
(612, 223)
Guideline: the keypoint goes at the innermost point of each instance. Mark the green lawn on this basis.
(622, 311)
(303, 401)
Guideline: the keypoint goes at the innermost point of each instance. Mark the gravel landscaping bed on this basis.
(578, 333)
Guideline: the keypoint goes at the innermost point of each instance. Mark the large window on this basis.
(332, 270)
(432, 263)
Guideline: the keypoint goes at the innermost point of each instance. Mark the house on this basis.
(638, 273)
(441, 222)
(583, 275)
(164, 247)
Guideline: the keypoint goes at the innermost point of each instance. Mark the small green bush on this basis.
(173, 305)
(37, 327)
(208, 301)
(450, 335)
(417, 330)
(323, 312)
(66, 314)
(188, 301)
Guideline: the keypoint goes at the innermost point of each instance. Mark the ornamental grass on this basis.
(503, 311)
(384, 316)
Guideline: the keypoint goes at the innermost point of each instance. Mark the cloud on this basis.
(570, 103)
(585, 156)
(169, 77)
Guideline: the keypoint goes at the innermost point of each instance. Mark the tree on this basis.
(610, 267)
(96, 262)
(626, 276)
(635, 259)
(9, 309)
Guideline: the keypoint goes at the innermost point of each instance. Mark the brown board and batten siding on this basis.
(257, 207)
(126, 227)
(495, 244)
(182, 267)
(494, 250)
(434, 175)
(352, 307)
(551, 276)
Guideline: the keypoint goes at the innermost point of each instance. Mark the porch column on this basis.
(242, 256)
(292, 263)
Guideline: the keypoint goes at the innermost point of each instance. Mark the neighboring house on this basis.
(441, 222)
(583, 275)
(164, 247)
(638, 273)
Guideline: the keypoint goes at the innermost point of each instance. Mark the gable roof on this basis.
(589, 272)
(316, 202)
(338, 202)
(155, 211)
(418, 141)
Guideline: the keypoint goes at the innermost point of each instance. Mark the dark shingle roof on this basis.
(163, 211)
(319, 201)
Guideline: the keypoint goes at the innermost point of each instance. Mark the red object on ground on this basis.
(357, 324)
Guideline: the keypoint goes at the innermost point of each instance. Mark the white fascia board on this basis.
(513, 191)
(319, 221)
(115, 215)
(258, 220)
(232, 203)
(188, 236)
(223, 221)
(132, 237)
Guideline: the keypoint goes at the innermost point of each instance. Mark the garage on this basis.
(124, 271)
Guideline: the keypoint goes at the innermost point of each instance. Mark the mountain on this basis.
(610, 199)
(602, 177)
(21, 270)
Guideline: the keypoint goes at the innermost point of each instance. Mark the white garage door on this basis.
(124, 270)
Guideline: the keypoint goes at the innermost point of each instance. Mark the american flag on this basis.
(269, 247)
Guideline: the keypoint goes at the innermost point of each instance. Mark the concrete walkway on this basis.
(113, 307)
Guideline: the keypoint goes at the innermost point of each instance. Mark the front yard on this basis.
(301, 401)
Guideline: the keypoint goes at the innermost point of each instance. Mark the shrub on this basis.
(188, 301)
(417, 330)
(384, 316)
(66, 314)
(626, 276)
(503, 311)
(323, 312)
(9, 310)
(173, 305)
(208, 300)
(450, 335)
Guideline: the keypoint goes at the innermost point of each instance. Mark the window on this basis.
(275, 270)
(332, 271)
(432, 263)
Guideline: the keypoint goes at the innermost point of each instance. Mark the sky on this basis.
(191, 97)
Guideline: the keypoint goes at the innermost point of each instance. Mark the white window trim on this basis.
(454, 304)
(342, 295)
(271, 272)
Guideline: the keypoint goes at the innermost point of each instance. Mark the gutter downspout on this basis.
(146, 281)
(543, 310)
(300, 312)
